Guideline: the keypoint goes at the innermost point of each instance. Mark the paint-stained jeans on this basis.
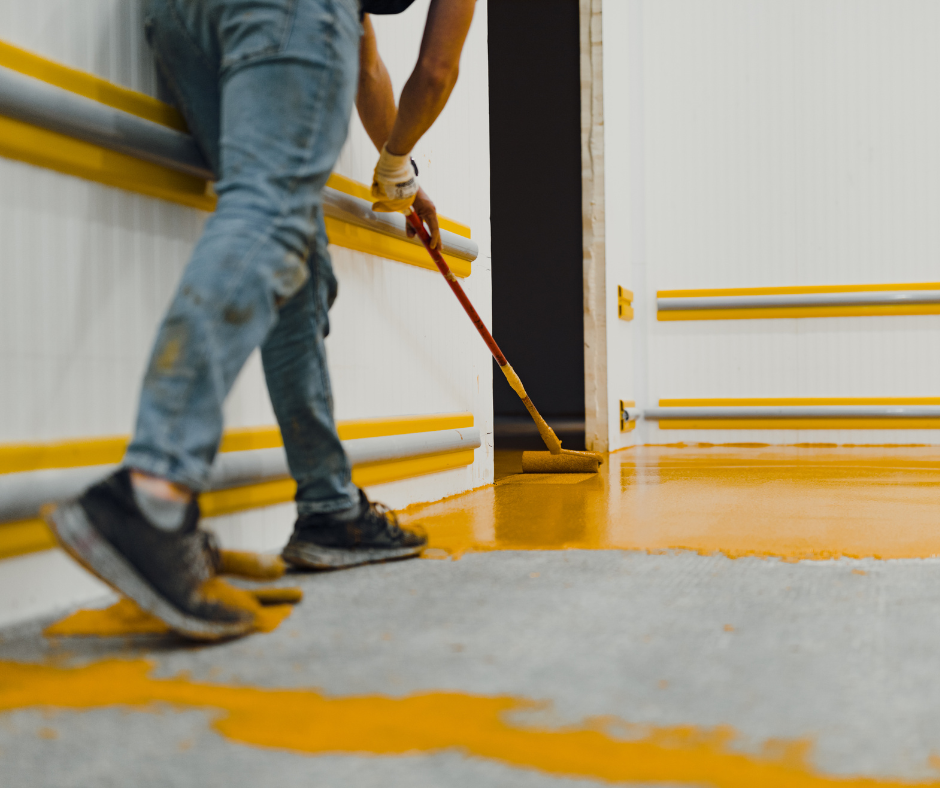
(267, 89)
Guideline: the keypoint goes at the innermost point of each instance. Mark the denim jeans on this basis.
(267, 88)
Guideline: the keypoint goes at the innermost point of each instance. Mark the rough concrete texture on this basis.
(843, 652)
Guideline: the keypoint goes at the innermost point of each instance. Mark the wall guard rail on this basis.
(33, 101)
(756, 303)
(53, 108)
(22, 494)
(355, 210)
(794, 412)
(883, 298)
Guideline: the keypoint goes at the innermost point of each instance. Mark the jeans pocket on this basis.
(250, 29)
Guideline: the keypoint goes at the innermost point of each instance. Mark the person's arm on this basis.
(435, 74)
(375, 101)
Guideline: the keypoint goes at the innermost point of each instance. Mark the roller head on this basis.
(278, 596)
(256, 566)
(546, 462)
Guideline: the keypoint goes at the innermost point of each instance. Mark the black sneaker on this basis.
(342, 539)
(163, 572)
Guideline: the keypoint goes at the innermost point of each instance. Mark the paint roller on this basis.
(556, 459)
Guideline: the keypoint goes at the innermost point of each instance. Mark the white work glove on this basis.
(394, 184)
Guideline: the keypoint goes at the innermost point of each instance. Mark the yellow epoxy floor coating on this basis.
(791, 502)
(494, 728)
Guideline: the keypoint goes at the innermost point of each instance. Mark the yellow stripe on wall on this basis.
(84, 452)
(912, 423)
(54, 151)
(25, 536)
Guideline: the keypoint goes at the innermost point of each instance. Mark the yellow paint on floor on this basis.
(122, 618)
(306, 721)
(125, 618)
(792, 502)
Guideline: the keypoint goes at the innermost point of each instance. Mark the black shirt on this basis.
(384, 6)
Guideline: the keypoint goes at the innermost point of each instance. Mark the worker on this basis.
(266, 88)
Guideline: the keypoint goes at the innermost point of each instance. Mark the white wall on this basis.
(86, 271)
(756, 143)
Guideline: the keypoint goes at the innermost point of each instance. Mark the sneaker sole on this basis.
(316, 557)
(81, 540)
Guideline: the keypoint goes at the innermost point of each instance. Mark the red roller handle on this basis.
(418, 225)
(551, 440)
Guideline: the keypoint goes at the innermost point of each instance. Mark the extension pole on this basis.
(548, 435)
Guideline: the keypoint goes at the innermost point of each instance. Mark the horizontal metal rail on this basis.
(873, 298)
(22, 494)
(795, 412)
(56, 109)
(355, 210)
(50, 107)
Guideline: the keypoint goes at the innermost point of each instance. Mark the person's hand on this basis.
(394, 183)
(427, 213)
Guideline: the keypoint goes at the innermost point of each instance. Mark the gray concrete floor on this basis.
(774, 649)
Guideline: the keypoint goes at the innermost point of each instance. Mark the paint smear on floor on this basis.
(486, 727)
(791, 502)
(125, 618)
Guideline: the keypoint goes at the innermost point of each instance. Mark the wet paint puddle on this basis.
(790, 502)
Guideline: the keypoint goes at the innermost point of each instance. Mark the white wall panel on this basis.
(86, 272)
(627, 347)
(102, 37)
(770, 143)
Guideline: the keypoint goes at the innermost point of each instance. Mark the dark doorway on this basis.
(535, 161)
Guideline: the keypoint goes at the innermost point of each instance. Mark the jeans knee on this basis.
(289, 276)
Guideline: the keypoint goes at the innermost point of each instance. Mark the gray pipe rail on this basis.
(22, 494)
(355, 210)
(56, 109)
(784, 412)
(873, 298)
(631, 414)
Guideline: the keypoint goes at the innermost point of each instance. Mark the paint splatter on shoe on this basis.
(368, 535)
(169, 574)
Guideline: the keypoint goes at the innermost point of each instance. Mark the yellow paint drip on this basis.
(125, 618)
(486, 727)
(253, 565)
(791, 502)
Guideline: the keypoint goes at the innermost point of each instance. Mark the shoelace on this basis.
(207, 545)
(381, 512)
